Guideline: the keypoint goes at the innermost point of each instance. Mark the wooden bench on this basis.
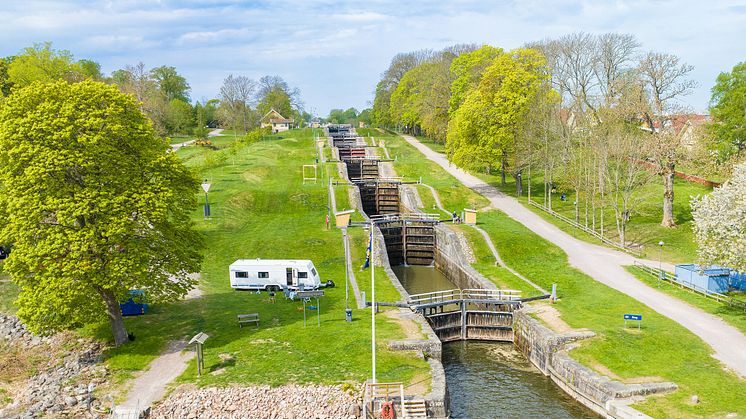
(248, 318)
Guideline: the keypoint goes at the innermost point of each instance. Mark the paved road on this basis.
(607, 266)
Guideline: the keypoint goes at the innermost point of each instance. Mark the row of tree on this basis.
(163, 93)
(591, 113)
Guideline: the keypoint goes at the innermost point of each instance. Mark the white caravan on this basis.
(273, 275)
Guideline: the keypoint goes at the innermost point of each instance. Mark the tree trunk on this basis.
(519, 183)
(668, 175)
(502, 172)
(114, 312)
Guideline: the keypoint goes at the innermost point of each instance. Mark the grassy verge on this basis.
(734, 316)
(261, 209)
(8, 292)
(412, 166)
(663, 350)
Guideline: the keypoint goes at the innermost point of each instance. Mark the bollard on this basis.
(348, 314)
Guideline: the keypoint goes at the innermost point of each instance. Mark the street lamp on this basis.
(660, 263)
(206, 188)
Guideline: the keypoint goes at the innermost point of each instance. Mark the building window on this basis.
(302, 275)
(242, 274)
(263, 275)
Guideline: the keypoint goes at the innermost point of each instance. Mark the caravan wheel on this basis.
(273, 288)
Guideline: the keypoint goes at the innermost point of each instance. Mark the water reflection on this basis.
(494, 380)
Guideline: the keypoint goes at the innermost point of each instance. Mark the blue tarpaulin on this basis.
(135, 305)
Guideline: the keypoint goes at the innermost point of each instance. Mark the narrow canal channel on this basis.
(491, 380)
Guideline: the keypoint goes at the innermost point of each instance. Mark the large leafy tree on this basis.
(94, 203)
(467, 70)
(720, 223)
(171, 83)
(728, 110)
(487, 127)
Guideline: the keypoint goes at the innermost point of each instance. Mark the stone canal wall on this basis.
(548, 351)
(451, 258)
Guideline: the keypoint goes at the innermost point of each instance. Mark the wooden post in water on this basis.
(463, 319)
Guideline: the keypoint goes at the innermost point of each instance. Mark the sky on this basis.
(334, 51)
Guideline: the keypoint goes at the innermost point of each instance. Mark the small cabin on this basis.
(273, 274)
(713, 278)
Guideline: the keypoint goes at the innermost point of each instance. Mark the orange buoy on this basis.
(387, 410)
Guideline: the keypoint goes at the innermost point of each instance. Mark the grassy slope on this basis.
(733, 315)
(262, 209)
(664, 349)
(644, 228)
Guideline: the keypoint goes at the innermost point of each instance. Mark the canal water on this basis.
(491, 380)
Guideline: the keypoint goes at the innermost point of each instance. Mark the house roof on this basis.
(678, 123)
(273, 114)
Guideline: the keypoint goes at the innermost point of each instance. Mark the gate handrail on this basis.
(465, 294)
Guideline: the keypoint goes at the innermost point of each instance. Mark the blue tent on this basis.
(135, 305)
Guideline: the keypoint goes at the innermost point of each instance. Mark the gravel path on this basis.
(150, 386)
(607, 266)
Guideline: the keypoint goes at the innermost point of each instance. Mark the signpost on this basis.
(206, 188)
(633, 317)
(200, 339)
(306, 297)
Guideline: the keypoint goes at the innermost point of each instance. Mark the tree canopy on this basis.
(94, 204)
(728, 110)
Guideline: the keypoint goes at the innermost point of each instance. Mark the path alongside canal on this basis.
(607, 266)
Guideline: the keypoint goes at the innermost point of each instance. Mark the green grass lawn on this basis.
(733, 315)
(644, 228)
(663, 350)
(261, 209)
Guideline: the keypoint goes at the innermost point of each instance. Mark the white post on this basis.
(373, 297)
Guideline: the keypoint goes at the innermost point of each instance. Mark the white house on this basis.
(278, 122)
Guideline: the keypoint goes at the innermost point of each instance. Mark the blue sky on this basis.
(334, 51)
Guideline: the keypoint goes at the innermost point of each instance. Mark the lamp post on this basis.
(206, 188)
(348, 311)
(660, 263)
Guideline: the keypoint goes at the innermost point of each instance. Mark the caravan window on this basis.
(302, 275)
(313, 271)
(263, 275)
(240, 274)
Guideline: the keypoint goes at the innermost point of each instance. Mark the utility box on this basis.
(713, 278)
(470, 216)
(342, 218)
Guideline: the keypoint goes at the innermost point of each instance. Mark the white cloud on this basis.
(322, 44)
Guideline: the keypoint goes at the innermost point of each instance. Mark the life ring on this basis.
(387, 410)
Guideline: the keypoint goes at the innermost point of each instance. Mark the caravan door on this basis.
(291, 282)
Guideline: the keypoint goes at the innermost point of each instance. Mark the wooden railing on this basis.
(412, 216)
(382, 391)
(590, 231)
(466, 294)
(670, 279)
